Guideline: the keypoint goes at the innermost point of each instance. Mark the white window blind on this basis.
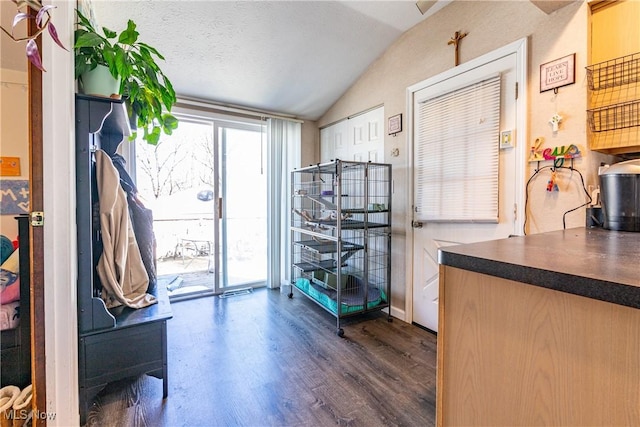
(457, 154)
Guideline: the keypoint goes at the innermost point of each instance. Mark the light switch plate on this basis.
(507, 139)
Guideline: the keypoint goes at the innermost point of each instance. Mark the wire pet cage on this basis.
(341, 236)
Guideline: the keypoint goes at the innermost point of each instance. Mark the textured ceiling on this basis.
(288, 57)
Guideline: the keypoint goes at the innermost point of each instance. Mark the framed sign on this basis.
(395, 124)
(558, 73)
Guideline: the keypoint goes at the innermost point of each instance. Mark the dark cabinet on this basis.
(15, 353)
(121, 342)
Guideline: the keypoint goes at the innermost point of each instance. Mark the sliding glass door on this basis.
(206, 185)
(242, 195)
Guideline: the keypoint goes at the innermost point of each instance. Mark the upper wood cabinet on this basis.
(614, 77)
(615, 29)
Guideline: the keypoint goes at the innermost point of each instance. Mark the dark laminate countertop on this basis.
(590, 262)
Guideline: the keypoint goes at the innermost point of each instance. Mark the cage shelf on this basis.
(325, 247)
(328, 264)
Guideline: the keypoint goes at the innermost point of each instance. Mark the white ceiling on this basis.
(288, 57)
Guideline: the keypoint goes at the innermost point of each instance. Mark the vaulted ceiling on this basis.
(287, 57)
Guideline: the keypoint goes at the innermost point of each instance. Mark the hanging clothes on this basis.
(141, 220)
(120, 267)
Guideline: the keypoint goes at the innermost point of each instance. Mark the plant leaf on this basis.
(108, 33)
(130, 35)
(169, 95)
(41, 13)
(151, 49)
(54, 35)
(84, 22)
(20, 16)
(120, 62)
(88, 39)
(81, 67)
(170, 122)
(34, 55)
(153, 137)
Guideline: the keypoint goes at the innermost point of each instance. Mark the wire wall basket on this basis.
(615, 72)
(618, 116)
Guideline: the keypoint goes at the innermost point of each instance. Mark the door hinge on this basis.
(416, 224)
(37, 219)
(516, 90)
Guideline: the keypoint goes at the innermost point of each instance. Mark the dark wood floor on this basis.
(266, 360)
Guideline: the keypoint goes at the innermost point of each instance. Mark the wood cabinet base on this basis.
(516, 354)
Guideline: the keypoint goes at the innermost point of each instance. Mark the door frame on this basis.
(519, 48)
(36, 244)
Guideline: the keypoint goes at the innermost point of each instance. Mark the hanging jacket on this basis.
(120, 268)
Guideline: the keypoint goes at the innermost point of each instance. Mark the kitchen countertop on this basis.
(591, 262)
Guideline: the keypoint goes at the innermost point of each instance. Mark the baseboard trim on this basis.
(398, 313)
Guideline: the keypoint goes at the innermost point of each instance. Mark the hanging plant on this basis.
(43, 22)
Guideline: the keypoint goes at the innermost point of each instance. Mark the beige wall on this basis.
(14, 132)
(423, 52)
(310, 143)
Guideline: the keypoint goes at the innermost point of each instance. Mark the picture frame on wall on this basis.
(558, 73)
(395, 124)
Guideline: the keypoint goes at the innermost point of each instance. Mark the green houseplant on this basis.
(149, 93)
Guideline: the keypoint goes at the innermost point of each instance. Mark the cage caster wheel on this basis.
(290, 295)
(340, 332)
(390, 319)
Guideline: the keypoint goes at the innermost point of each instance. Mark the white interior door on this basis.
(434, 235)
(359, 138)
(364, 137)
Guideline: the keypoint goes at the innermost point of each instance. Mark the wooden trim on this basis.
(600, 4)
(38, 365)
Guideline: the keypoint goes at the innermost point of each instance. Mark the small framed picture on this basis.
(558, 73)
(395, 124)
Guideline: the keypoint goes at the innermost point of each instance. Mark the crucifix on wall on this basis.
(455, 41)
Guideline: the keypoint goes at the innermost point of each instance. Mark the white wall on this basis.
(310, 143)
(423, 52)
(60, 266)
